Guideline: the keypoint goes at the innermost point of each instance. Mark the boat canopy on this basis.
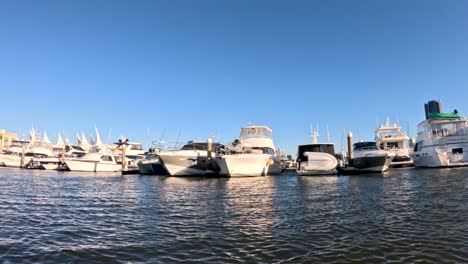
(256, 132)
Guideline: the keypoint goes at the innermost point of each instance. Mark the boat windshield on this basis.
(365, 146)
(200, 146)
(255, 132)
(14, 153)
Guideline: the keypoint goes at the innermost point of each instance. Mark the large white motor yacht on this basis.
(12, 156)
(442, 139)
(252, 154)
(391, 138)
(94, 162)
(193, 159)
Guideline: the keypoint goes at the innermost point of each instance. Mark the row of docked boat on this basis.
(252, 154)
(442, 141)
(39, 153)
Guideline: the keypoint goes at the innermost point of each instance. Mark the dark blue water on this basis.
(405, 216)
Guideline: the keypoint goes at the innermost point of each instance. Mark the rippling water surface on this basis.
(406, 215)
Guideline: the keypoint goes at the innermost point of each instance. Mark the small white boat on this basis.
(94, 162)
(366, 157)
(12, 156)
(316, 159)
(252, 154)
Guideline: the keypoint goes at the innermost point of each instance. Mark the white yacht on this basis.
(442, 139)
(34, 149)
(366, 157)
(252, 154)
(193, 159)
(391, 138)
(94, 162)
(151, 164)
(57, 162)
(316, 158)
(12, 156)
(134, 153)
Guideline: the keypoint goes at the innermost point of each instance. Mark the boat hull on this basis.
(440, 157)
(92, 166)
(145, 168)
(188, 165)
(158, 169)
(11, 161)
(152, 167)
(247, 165)
(318, 163)
(372, 163)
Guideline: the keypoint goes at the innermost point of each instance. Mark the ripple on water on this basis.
(405, 216)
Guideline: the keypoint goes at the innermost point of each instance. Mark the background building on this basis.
(6, 138)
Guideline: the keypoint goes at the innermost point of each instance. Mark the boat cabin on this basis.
(436, 129)
(257, 137)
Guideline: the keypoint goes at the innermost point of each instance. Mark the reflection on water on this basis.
(404, 216)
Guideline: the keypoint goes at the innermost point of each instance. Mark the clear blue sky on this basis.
(210, 67)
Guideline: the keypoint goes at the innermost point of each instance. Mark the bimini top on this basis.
(256, 132)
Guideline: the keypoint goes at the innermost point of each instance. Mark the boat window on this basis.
(201, 146)
(136, 147)
(323, 148)
(457, 150)
(134, 157)
(390, 145)
(35, 155)
(418, 146)
(78, 148)
(267, 151)
(106, 158)
(195, 146)
(77, 154)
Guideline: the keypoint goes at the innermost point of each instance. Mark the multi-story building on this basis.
(6, 138)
